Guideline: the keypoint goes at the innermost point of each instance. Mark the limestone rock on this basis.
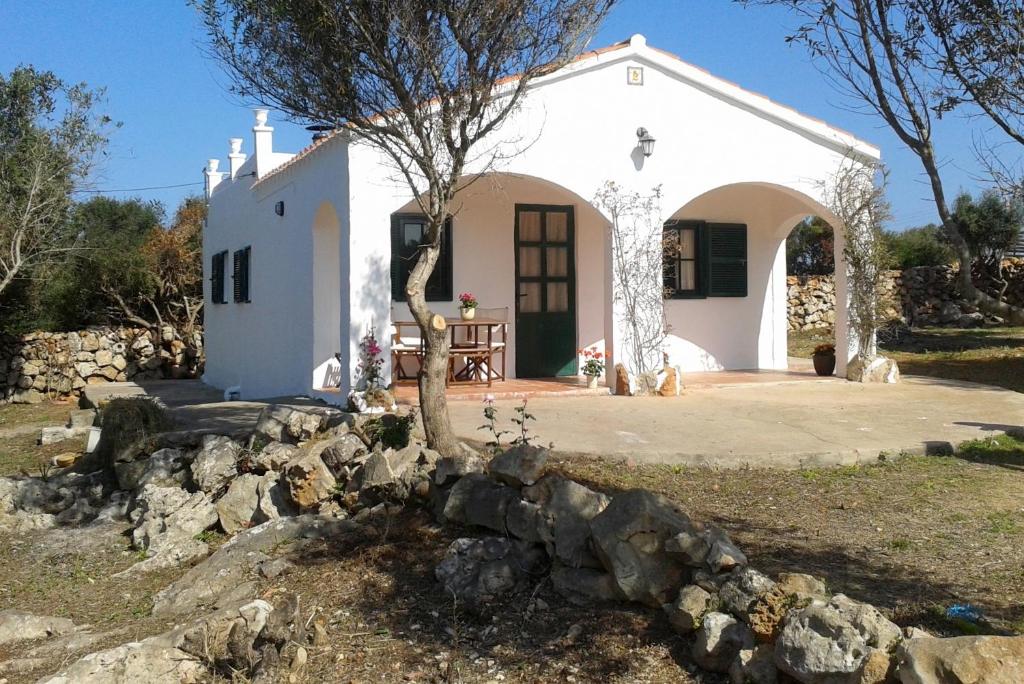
(168, 519)
(584, 586)
(132, 662)
(275, 456)
(629, 537)
(803, 587)
(981, 659)
(754, 666)
(817, 645)
(165, 468)
(451, 468)
(688, 610)
(876, 630)
(16, 625)
(292, 424)
(719, 641)
(880, 369)
(309, 481)
(567, 511)
(743, 588)
(236, 510)
(52, 435)
(479, 570)
(214, 465)
(622, 386)
(523, 520)
(521, 465)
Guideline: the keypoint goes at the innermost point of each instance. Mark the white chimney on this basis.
(263, 148)
(213, 177)
(236, 158)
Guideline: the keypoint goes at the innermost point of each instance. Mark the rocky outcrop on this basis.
(43, 364)
(16, 625)
(989, 659)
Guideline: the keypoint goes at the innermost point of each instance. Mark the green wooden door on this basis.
(546, 284)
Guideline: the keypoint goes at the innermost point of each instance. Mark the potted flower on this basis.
(593, 365)
(825, 359)
(467, 306)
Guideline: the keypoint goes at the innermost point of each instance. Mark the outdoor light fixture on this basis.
(646, 141)
(279, 208)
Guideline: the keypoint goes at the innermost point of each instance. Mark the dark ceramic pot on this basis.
(825, 364)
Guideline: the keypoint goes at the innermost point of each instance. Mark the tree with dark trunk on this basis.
(882, 54)
(428, 82)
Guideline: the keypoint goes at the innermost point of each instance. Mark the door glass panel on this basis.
(558, 226)
(529, 226)
(558, 261)
(529, 261)
(687, 244)
(529, 299)
(558, 297)
(687, 275)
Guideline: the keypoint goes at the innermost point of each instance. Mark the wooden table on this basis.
(480, 340)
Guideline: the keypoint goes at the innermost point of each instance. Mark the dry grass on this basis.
(992, 356)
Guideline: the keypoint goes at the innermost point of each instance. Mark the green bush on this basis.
(924, 246)
(392, 430)
(125, 421)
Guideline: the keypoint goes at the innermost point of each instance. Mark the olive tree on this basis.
(49, 137)
(428, 82)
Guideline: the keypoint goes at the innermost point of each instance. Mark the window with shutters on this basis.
(407, 233)
(705, 259)
(217, 272)
(240, 274)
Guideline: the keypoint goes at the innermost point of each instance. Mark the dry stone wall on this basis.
(42, 364)
(924, 295)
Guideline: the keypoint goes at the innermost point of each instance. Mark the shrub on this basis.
(124, 422)
(924, 246)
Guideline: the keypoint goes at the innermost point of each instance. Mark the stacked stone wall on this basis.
(39, 365)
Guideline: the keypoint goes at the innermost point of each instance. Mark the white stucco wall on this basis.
(722, 154)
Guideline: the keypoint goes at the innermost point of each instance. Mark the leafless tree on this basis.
(428, 82)
(49, 138)
(856, 195)
(875, 51)
(637, 265)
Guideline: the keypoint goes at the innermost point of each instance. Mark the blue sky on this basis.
(177, 112)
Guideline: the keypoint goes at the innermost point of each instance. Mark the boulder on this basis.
(817, 645)
(309, 481)
(742, 589)
(629, 537)
(167, 520)
(274, 501)
(52, 435)
(132, 662)
(689, 608)
(274, 456)
(719, 641)
(237, 509)
(879, 370)
(523, 520)
(476, 571)
(754, 666)
(165, 468)
(342, 452)
(451, 468)
(974, 659)
(876, 630)
(567, 510)
(518, 466)
(215, 464)
(293, 424)
(16, 625)
(454, 506)
(584, 586)
(803, 587)
(487, 503)
(225, 574)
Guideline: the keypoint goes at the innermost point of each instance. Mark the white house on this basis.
(306, 239)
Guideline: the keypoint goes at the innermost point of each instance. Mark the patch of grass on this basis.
(29, 415)
(1003, 522)
(900, 544)
(999, 449)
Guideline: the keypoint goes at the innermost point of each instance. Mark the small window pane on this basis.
(687, 275)
(529, 297)
(558, 261)
(558, 297)
(687, 244)
(529, 261)
(412, 236)
(529, 226)
(557, 226)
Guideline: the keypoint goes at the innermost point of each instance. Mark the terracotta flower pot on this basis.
(468, 314)
(824, 364)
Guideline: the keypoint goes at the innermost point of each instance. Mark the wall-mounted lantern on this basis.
(645, 141)
(279, 208)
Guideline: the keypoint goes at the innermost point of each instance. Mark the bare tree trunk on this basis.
(432, 379)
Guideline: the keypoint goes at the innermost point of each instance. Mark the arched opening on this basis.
(737, 317)
(327, 303)
(810, 288)
(529, 250)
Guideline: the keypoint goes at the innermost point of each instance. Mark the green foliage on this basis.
(1005, 449)
(810, 248)
(125, 421)
(391, 430)
(924, 246)
(989, 224)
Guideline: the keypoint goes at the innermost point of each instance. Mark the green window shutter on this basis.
(727, 260)
(240, 274)
(397, 284)
(217, 277)
(246, 270)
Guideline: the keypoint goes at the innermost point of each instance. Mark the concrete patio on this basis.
(769, 421)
